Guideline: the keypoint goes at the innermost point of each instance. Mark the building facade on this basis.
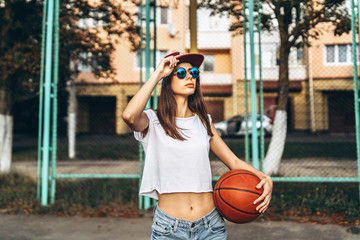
(321, 87)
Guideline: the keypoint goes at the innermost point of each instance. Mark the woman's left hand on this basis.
(267, 184)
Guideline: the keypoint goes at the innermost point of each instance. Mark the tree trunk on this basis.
(6, 84)
(277, 142)
(72, 121)
(6, 126)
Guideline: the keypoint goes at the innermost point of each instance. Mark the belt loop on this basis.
(175, 227)
(206, 222)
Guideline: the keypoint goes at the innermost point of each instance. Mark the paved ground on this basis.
(29, 227)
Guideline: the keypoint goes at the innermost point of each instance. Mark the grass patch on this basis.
(90, 197)
(317, 202)
(322, 202)
(125, 151)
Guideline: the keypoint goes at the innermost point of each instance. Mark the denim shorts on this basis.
(211, 226)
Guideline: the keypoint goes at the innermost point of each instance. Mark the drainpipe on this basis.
(193, 26)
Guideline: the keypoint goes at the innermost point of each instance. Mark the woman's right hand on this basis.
(166, 66)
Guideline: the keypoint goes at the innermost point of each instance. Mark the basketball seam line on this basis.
(244, 190)
(252, 213)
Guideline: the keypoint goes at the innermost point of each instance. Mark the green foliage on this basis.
(21, 37)
(297, 16)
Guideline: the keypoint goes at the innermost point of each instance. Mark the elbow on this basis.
(128, 117)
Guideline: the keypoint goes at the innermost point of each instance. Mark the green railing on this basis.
(48, 102)
(249, 21)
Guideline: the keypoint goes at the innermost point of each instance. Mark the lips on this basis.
(190, 85)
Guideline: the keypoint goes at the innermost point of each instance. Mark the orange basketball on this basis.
(234, 196)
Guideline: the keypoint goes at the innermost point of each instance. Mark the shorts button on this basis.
(193, 225)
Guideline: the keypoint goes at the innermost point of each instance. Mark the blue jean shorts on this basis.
(211, 226)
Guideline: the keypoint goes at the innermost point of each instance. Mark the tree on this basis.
(20, 49)
(297, 21)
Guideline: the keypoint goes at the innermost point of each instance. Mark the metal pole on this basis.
(47, 104)
(254, 134)
(141, 150)
(55, 104)
(261, 92)
(155, 97)
(41, 97)
(356, 87)
(247, 155)
(193, 26)
(147, 202)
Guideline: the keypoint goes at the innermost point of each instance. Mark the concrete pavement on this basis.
(34, 227)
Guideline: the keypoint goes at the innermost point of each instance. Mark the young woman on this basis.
(176, 139)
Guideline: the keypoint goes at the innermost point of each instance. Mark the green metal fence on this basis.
(305, 153)
(48, 118)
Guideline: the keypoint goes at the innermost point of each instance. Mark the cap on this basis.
(194, 58)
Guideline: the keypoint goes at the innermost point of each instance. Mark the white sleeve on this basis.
(139, 135)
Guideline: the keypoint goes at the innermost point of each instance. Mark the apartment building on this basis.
(101, 102)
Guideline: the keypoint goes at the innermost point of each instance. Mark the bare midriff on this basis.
(186, 206)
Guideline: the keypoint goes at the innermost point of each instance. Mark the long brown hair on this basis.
(166, 111)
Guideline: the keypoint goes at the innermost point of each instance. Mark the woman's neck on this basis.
(183, 110)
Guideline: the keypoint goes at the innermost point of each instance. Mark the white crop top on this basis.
(172, 165)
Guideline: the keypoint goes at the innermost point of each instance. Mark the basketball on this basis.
(234, 196)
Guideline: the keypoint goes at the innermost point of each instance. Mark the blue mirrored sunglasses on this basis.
(181, 72)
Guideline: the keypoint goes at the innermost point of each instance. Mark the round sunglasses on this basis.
(181, 72)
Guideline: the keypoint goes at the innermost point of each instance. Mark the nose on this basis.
(188, 75)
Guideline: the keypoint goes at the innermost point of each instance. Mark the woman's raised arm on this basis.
(133, 114)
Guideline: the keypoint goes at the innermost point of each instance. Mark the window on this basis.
(87, 62)
(162, 15)
(300, 56)
(267, 59)
(342, 53)
(338, 54)
(330, 53)
(208, 64)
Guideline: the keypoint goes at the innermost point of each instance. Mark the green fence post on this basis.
(147, 69)
(41, 98)
(47, 104)
(155, 98)
(261, 92)
(246, 86)
(356, 88)
(145, 202)
(55, 103)
(141, 150)
(254, 134)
